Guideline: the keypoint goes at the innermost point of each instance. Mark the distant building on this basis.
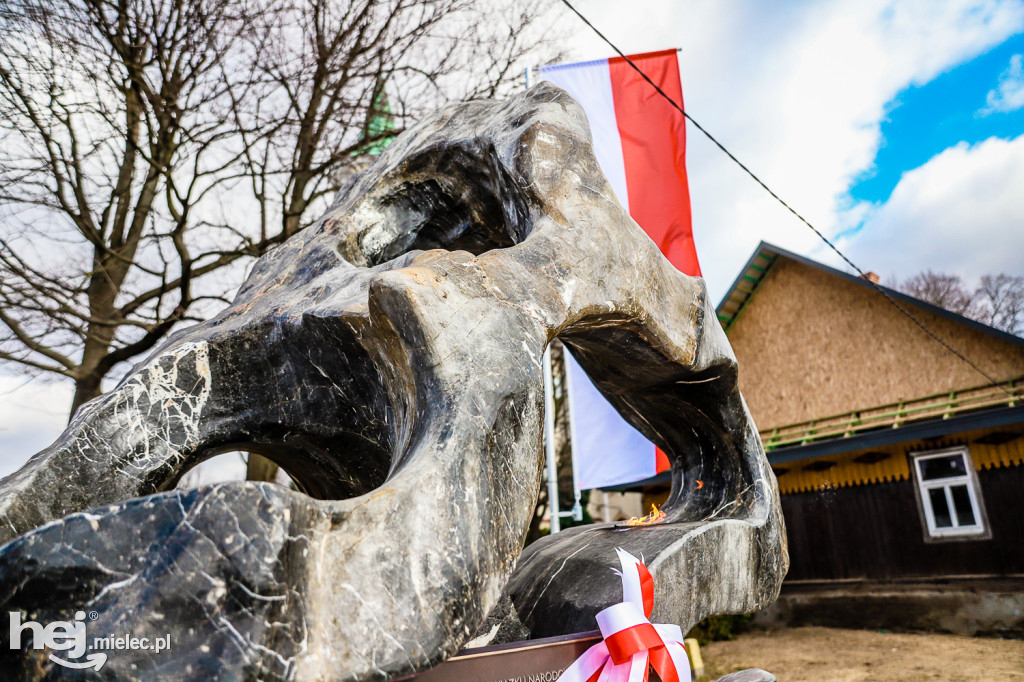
(377, 134)
(900, 467)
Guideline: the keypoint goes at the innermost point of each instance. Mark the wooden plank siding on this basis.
(824, 358)
(874, 532)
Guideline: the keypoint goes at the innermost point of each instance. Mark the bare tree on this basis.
(998, 301)
(149, 150)
(945, 291)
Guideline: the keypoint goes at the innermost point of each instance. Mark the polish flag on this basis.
(640, 142)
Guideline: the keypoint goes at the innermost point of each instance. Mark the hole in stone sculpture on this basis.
(313, 401)
(226, 467)
(710, 476)
(457, 197)
(346, 466)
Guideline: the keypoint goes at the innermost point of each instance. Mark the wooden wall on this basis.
(811, 344)
(875, 532)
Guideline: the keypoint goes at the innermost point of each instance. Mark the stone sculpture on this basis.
(389, 358)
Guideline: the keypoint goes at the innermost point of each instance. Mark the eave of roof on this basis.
(765, 255)
(936, 428)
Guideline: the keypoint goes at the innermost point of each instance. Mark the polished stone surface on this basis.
(389, 358)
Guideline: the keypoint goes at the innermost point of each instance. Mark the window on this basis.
(949, 495)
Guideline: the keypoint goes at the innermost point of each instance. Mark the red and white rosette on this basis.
(632, 645)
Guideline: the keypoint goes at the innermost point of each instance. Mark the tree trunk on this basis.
(259, 468)
(86, 389)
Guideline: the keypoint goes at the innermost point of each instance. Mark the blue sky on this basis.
(928, 118)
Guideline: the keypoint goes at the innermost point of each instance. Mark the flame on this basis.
(656, 516)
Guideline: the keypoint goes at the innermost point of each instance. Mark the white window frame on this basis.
(979, 530)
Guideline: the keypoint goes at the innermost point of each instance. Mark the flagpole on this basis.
(577, 509)
(549, 444)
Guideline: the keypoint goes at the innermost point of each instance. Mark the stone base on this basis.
(536, 660)
(540, 660)
(964, 606)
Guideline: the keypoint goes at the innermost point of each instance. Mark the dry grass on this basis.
(813, 654)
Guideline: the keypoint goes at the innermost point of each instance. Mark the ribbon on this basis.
(632, 645)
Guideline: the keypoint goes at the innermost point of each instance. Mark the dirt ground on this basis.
(830, 655)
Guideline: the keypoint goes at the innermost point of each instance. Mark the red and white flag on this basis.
(640, 142)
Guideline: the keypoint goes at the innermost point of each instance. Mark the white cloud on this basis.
(32, 415)
(798, 92)
(1008, 95)
(962, 213)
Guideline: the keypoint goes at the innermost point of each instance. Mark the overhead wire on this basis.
(789, 208)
